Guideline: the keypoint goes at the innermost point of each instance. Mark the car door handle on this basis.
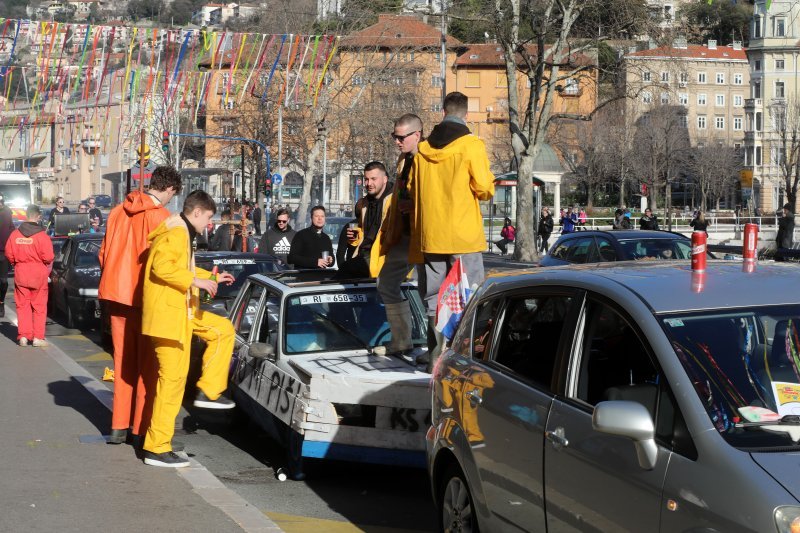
(557, 437)
(474, 397)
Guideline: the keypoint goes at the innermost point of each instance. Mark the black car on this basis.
(240, 265)
(75, 279)
(618, 245)
(101, 200)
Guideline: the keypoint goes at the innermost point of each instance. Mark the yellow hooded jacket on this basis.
(169, 300)
(446, 183)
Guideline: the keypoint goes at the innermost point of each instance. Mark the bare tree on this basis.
(786, 123)
(714, 169)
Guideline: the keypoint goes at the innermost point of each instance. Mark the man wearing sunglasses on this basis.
(449, 177)
(277, 240)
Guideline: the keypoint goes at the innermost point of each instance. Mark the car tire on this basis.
(456, 506)
(70, 319)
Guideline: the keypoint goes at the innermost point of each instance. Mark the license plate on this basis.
(97, 313)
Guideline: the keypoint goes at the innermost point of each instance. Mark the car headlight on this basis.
(787, 519)
(87, 292)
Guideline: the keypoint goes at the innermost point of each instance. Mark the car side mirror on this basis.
(631, 420)
(262, 350)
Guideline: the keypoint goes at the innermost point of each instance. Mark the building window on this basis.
(473, 79)
(701, 122)
(436, 81)
(719, 123)
(779, 64)
(474, 105)
(701, 77)
(720, 78)
(757, 65)
(436, 104)
(780, 27)
(228, 130)
(758, 155)
(756, 89)
(665, 77)
(684, 121)
(664, 98)
(756, 27)
(683, 98)
(684, 77)
(737, 123)
(502, 80)
(779, 91)
(737, 100)
(646, 75)
(738, 79)
(701, 99)
(647, 98)
(720, 101)
(758, 121)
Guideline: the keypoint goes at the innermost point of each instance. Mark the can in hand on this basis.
(699, 241)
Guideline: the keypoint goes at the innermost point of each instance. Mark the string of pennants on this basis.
(153, 70)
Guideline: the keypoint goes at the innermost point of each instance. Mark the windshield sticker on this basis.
(333, 298)
(758, 414)
(234, 261)
(675, 322)
(787, 397)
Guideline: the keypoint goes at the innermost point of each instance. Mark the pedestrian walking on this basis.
(699, 222)
(257, 219)
(122, 258)
(277, 240)
(6, 228)
(545, 229)
(568, 221)
(507, 235)
(371, 209)
(311, 247)
(30, 251)
(395, 236)
(171, 315)
(582, 218)
(648, 221)
(450, 175)
(785, 235)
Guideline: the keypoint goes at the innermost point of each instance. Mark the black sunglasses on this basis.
(397, 137)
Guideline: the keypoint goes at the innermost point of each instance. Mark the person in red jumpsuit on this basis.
(123, 255)
(30, 251)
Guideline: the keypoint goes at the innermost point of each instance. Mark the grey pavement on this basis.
(58, 474)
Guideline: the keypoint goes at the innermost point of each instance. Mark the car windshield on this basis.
(657, 248)
(745, 367)
(87, 254)
(239, 269)
(342, 320)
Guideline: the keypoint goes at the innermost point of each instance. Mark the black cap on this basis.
(788, 206)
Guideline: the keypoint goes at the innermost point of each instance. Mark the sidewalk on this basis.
(58, 474)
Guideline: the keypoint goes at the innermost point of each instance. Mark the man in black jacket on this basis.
(277, 240)
(309, 244)
(6, 227)
(94, 212)
(648, 220)
(228, 236)
(785, 232)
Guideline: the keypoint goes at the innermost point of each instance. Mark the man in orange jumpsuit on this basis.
(122, 258)
(30, 251)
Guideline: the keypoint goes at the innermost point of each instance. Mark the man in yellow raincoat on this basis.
(171, 315)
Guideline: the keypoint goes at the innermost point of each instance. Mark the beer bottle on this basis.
(206, 297)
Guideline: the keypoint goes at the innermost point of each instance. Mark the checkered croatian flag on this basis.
(453, 296)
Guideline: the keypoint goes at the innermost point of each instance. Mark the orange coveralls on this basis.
(30, 250)
(122, 258)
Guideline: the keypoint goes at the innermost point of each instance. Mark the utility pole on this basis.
(279, 192)
(324, 164)
(243, 191)
(444, 50)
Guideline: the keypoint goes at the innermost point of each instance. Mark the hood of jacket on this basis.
(439, 154)
(174, 221)
(30, 228)
(137, 201)
(446, 132)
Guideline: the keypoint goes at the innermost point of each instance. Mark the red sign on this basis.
(644, 189)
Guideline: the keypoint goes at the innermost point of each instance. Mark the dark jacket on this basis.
(51, 219)
(648, 222)
(621, 222)
(545, 225)
(785, 231)
(344, 250)
(95, 213)
(256, 214)
(307, 247)
(699, 225)
(277, 242)
(6, 226)
(222, 241)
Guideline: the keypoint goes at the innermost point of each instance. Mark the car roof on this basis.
(668, 286)
(628, 234)
(210, 256)
(311, 280)
(86, 236)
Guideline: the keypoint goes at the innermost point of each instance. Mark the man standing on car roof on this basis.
(365, 261)
(395, 235)
(449, 177)
(123, 255)
(6, 227)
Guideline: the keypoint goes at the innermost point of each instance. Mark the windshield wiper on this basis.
(346, 331)
(789, 424)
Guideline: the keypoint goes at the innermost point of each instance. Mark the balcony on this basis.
(752, 103)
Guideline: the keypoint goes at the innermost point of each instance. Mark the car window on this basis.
(87, 255)
(656, 248)
(605, 250)
(561, 249)
(485, 318)
(529, 336)
(240, 269)
(246, 312)
(683, 249)
(63, 253)
(268, 329)
(582, 251)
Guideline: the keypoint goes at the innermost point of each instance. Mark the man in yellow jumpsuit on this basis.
(171, 315)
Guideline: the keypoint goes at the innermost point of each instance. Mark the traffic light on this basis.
(165, 141)
(268, 186)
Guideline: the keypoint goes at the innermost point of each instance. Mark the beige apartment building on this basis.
(710, 82)
(774, 64)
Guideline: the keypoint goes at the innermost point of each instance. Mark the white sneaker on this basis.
(39, 343)
(23, 341)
